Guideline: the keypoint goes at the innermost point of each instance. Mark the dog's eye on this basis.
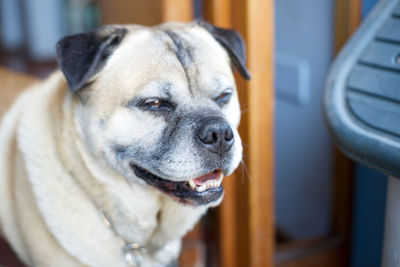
(224, 97)
(157, 104)
(153, 103)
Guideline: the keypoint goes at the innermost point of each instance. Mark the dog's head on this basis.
(159, 105)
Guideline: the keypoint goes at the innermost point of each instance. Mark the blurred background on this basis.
(323, 206)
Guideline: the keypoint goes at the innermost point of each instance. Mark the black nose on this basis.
(215, 134)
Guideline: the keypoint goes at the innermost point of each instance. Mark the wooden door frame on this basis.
(148, 12)
(246, 216)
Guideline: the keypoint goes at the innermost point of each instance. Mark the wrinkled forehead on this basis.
(186, 57)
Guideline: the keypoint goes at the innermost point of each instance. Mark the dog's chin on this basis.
(198, 191)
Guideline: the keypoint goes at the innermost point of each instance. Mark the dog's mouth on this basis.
(201, 190)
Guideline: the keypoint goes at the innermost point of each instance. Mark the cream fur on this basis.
(47, 216)
(52, 183)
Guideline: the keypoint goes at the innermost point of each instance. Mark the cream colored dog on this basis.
(110, 161)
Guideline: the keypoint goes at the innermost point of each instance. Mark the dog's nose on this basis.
(215, 134)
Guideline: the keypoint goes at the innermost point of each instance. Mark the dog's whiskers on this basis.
(155, 180)
(242, 172)
(245, 110)
(245, 171)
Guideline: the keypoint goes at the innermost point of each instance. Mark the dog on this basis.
(113, 159)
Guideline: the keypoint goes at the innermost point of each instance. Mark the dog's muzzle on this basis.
(214, 139)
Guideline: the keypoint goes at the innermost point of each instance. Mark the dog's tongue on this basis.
(215, 175)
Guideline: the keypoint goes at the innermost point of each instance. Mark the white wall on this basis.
(304, 38)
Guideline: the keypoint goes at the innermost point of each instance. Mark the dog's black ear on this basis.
(233, 42)
(81, 56)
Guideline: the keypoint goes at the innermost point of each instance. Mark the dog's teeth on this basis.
(192, 184)
(221, 177)
(201, 188)
(212, 184)
(208, 184)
